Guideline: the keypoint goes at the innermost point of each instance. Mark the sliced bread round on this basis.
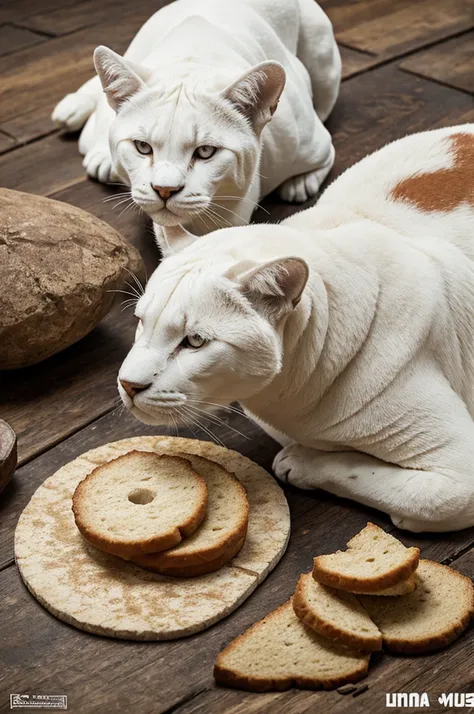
(221, 534)
(140, 502)
(335, 614)
(374, 560)
(431, 617)
(280, 652)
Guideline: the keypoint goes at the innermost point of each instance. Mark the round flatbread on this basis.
(100, 593)
(221, 534)
(140, 503)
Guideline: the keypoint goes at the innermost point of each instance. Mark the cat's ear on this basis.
(120, 78)
(275, 287)
(256, 93)
(175, 239)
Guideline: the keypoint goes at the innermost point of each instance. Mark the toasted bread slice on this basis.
(140, 502)
(403, 588)
(374, 560)
(221, 534)
(280, 652)
(335, 614)
(431, 617)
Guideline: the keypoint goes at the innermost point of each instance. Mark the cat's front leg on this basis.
(415, 500)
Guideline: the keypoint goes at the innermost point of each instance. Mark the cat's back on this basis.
(421, 186)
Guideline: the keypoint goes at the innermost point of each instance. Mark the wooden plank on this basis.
(58, 158)
(386, 104)
(6, 142)
(30, 125)
(449, 63)
(41, 75)
(65, 20)
(354, 62)
(15, 10)
(14, 38)
(410, 27)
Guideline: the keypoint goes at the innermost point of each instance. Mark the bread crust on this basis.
(312, 620)
(325, 575)
(195, 568)
(163, 541)
(441, 640)
(230, 678)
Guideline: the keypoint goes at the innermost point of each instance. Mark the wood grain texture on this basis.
(42, 75)
(16, 38)
(65, 20)
(390, 29)
(451, 63)
(7, 142)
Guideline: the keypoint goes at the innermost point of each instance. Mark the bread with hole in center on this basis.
(280, 652)
(374, 560)
(141, 502)
(221, 534)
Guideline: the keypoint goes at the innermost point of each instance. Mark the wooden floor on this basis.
(406, 69)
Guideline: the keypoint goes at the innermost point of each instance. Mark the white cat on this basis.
(189, 104)
(348, 328)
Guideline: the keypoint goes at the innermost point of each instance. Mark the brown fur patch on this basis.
(445, 189)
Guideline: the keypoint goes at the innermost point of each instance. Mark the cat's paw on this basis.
(98, 164)
(293, 465)
(299, 189)
(73, 111)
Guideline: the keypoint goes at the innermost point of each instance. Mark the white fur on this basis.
(205, 72)
(367, 372)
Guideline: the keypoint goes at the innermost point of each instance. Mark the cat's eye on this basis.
(143, 147)
(194, 341)
(205, 152)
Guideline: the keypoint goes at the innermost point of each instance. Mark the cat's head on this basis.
(177, 140)
(209, 331)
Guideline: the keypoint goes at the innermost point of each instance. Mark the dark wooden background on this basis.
(408, 66)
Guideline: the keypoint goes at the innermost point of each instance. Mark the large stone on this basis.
(58, 265)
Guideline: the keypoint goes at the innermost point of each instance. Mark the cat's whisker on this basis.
(219, 217)
(218, 421)
(244, 198)
(201, 426)
(125, 292)
(229, 211)
(137, 281)
(235, 410)
(116, 196)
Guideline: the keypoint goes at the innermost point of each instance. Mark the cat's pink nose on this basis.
(132, 388)
(166, 191)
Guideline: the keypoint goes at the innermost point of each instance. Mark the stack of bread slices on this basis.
(375, 593)
(175, 514)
